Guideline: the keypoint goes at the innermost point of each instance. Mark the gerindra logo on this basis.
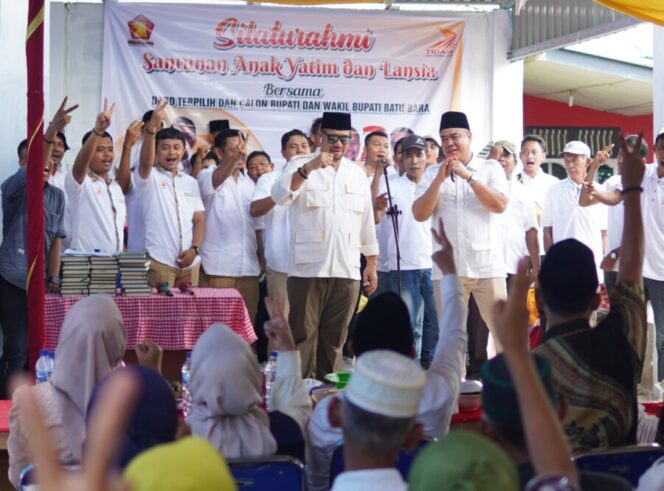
(446, 46)
(140, 30)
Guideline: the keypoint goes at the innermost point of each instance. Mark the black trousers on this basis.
(478, 337)
(14, 322)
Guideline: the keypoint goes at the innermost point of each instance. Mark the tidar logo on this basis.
(446, 46)
(140, 29)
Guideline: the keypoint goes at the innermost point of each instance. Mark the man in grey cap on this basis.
(377, 414)
(332, 223)
(415, 247)
(468, 193)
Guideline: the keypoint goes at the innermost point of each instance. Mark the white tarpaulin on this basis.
(269, 70)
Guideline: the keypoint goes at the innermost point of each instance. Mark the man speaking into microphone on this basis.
(469, 205)
(331, 219)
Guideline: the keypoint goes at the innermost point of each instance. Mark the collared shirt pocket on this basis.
(309, 246)
(318, 195)
(353, 197)
(480, 254)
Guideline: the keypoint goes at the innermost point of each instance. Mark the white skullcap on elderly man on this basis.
(386, 383)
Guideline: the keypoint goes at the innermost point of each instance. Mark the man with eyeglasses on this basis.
(331, 218)
(468, 193)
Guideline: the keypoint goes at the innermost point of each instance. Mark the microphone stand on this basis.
(394, 212)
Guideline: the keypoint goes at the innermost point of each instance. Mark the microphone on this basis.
(162, 289)
(185, 287)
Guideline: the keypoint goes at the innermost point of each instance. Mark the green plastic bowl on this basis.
(339, 379)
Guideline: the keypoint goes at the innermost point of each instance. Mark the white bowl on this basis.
(471, 387)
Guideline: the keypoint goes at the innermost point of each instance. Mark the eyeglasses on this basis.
(332, 139)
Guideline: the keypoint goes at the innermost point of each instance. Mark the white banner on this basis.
(269, 70)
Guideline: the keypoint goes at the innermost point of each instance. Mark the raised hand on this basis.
(61, 118)
(149, 354)
(158, 117)
(133, 133)
(602, 156)
(633, 164)
(444, 258)
(459, 169)
(323, 160)
(276, 329)
(105, 430)
(510, 316)
(103, 120)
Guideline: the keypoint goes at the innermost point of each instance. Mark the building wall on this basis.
(543, 112)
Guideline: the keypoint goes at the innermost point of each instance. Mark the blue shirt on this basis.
(14, 250)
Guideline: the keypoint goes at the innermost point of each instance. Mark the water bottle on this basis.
(269, 375)
(41, 368)
(51, 363)
(186, 397)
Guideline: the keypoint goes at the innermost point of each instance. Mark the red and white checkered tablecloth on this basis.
(175, 323)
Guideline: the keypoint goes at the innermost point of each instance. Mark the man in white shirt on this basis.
(611, 196)
(534, 179)
(377, 416)
(277, 228)
(468, 193)
(652, 200)
(563, 218)
(520, 227)
(384, 325)
(377, 152)
(230, 248)
(331, 220)
(174, 212)
(413, 281)
(97, 204)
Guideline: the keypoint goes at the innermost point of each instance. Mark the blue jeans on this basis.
(417, 294)
(654, 291)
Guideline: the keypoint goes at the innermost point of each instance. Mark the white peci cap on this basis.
(386, 383)
(577, 148)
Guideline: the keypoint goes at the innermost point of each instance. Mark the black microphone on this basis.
(162, 289)
(185, 287)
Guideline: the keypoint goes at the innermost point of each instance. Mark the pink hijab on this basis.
(225, 388)
(92, 342)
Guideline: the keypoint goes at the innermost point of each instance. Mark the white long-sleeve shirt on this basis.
(288, 394)
(331, 219)
(439, 399)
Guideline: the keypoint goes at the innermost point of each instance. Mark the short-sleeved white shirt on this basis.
(571, 221)
(229, 247)
(653, 223)
(97, 212)
(384, 229)
(538, 187)
(473, 230)
(519, 218)
(414, 237)
(277, 227)
(615, 217)
(58, 180)
(135, 217)
(165, 198)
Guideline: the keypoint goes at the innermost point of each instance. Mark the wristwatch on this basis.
(195, 248)
(56, 280)
(471, 179)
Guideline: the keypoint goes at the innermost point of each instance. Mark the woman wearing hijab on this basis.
(154, 418)
(92, 343)
(225, 386)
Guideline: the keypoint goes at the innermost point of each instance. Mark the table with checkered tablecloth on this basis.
(175, 323)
